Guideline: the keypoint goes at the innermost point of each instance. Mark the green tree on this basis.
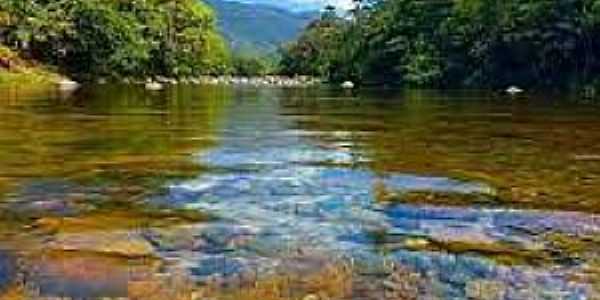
(314, 53)
(117, 38)
(456, 43)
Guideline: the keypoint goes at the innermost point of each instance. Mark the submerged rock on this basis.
(124, 244)
(441, 198)
(485, 290)
(7, 270)
(66, 275)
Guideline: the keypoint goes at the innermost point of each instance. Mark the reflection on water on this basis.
(308, 173)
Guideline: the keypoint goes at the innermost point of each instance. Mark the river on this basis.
(110, 190)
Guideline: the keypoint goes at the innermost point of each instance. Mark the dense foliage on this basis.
(253, 64)
(454, 43)
(116, 37)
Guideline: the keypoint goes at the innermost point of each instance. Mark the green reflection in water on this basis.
(540, 153)
(119, 135)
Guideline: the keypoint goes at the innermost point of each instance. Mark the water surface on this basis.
(214, 182)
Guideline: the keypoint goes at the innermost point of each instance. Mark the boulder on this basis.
(154, 86)
(67, 85)
(347, 85)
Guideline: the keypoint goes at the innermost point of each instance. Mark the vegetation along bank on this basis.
(105, 38)
(455, 44)
(434, 44)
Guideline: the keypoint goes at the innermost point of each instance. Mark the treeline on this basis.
(454, 43)
(116, 38)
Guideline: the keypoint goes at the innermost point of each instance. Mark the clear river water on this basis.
(480, 196)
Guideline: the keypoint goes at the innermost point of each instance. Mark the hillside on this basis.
(257, 27)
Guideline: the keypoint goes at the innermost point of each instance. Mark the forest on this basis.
(454, 44)
(546, 45)
(94, 38)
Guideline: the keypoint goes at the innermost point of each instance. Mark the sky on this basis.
(302, 5)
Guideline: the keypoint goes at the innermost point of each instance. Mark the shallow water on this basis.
(284, 171)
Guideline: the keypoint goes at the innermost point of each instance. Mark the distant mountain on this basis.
(259, 27)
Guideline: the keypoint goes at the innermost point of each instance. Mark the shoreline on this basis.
(46, 77)
(266, 80)
(43, 75)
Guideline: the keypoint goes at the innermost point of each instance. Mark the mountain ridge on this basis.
(258, 27)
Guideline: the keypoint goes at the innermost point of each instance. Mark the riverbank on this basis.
(15, 69)
(40, 75)
(259, 81)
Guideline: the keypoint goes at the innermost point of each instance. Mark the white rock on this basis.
(513, 90)
(153, 86)
(67, 85)
(348, 85)
(162, 79)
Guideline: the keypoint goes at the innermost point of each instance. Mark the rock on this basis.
(416, 243)
(392, 285)
(176, 239)
(402, 284)
(311, 297)
(86, 275)
(154, 86)
(67, 85)
(485, 290)
(162, 79)
(347, 85)
(513, 90)
(116, 243)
